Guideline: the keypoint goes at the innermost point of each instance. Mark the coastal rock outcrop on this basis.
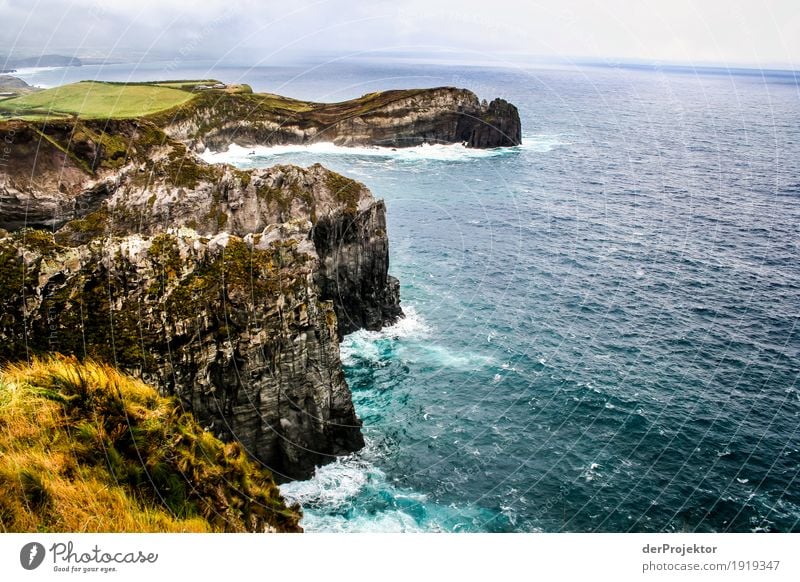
(499, 126)
(226, 288)
(354, 269)
(399, 118)
(60, 171)
(12, 84)
(234, 327)
(210, 282)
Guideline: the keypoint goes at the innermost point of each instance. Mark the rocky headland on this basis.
(226, 289)
(398, 118)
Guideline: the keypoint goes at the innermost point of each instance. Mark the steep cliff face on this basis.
(124, 177)
(390, 118)
(225, 288)
(354, 267)
(499, 125)
(232, 326)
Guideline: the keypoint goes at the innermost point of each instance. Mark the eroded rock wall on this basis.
(215, 285)
(444, 115)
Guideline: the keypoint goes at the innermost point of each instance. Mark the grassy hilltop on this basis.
(85, 448)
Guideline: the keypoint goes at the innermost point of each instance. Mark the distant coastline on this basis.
(13, 64)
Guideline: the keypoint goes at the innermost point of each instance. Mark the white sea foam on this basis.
(331, 498)
(25, 73)
(394, 521)
(411, 334)
(263, 155)
(364, 344)
(591, 473)
(412, 326)
(444, 357)
(333, 485)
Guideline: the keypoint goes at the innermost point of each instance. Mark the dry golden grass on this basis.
(84, 448)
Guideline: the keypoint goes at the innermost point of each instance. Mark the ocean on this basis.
(601, 324)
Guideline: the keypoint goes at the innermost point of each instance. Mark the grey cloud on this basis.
(723, 31)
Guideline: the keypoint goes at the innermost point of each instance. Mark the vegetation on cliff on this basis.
(208, 113)
(113, 100)
(88, 449)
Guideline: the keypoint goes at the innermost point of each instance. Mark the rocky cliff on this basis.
(390, 118)
(225, 288)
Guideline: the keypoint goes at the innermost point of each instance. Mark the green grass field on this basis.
(92, 100)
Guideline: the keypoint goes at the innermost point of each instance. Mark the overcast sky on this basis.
(727, 32)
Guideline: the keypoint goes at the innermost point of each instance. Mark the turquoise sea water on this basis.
(601, 329)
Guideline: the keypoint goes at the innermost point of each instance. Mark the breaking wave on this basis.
(257, 155)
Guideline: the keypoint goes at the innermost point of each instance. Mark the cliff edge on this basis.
(399, 118)
(211, 114)
(228, 289)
